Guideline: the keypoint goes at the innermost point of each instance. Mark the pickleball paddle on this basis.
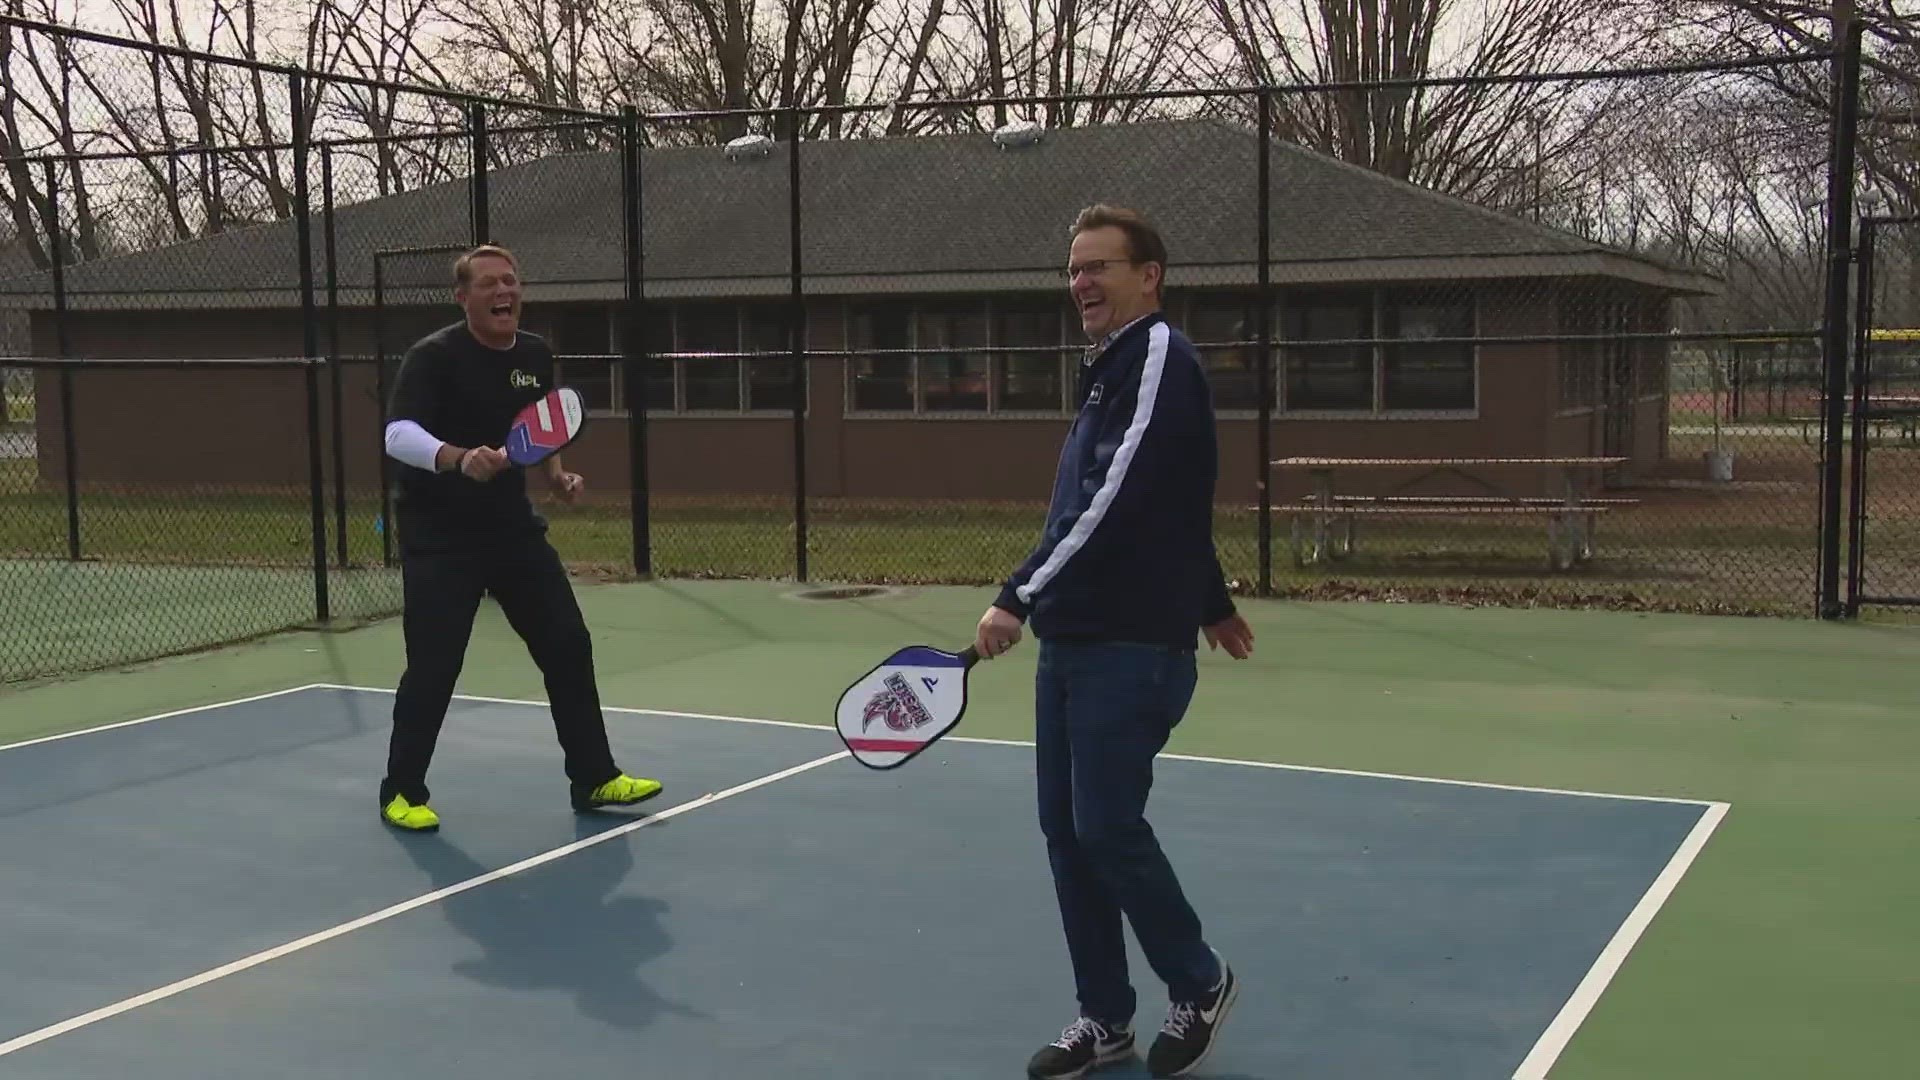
(904, 705)
(546, 426)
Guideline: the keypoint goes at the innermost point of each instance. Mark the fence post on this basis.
(1263, 382)
(309, 343)
(1862, 372)
(335, 374)
(69, 439)
(380, 393)
(477, 126)
(1846, 120)
(796, 344)
(633, 342)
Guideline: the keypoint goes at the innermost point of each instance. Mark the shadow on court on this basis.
(589, 937)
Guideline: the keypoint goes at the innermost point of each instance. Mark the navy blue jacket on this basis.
(1128, 553)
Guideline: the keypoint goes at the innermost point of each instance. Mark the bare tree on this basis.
(381, 126)
(1890, 83)
(1489, 139)
(1105, 50)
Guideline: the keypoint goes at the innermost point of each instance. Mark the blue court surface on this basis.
(211, 894)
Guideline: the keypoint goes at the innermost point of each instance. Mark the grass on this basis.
(1707, 558)
(1748, 547)
(19, 401)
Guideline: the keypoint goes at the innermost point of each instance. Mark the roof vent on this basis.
(1018, 133)
(749, 145)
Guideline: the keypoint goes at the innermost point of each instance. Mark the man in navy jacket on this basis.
(1123, 583)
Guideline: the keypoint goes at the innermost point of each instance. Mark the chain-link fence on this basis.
(1581, 353)
(215, 268)
(1883, 424)
(1584, 366)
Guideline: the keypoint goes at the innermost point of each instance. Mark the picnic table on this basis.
(1898, 411)
(1570, 515)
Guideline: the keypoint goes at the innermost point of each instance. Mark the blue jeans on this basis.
(1103, 712)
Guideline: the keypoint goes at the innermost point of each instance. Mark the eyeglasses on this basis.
(1095, 267)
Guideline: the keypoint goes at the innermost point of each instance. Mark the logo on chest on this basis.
(1093, 395)
(520, 380)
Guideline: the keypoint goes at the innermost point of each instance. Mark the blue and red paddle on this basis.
(546, 426)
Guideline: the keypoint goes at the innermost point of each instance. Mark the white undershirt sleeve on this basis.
(411, 444)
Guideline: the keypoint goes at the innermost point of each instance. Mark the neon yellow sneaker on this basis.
(622, 790)
(402, 814)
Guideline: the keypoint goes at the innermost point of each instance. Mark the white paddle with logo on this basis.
(904, 705)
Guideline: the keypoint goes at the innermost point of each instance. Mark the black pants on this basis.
(443, 593)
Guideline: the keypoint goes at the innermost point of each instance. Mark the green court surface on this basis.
(1785, 950)
(63, 616)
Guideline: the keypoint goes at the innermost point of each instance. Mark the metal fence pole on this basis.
(309, 343)
(1263, 315)
(796, 344)
(477, 186)
(380, 392)
(1834, 338)
(335, 374)
(1862, 372)
(69, 439)
(633, 341)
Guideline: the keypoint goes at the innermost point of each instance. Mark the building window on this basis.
(1221, 327)
(884, 382)
(1376, 351)
(950, 354)
(770, 378)
(1029, 380)
(662, 395)
(711, 383)
(581, 343)
(1432, 377)
(957, 355)
(715, 378)
(1337, 375)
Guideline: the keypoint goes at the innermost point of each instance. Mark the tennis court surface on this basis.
(210, 894)
(194, 881)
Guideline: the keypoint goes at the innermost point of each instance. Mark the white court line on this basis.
(208, 707)
(535, 703)
(1249, 763)
(1560, 1032)
(117, 1008)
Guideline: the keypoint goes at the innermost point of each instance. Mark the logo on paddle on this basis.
(896, 707)
(883, 716)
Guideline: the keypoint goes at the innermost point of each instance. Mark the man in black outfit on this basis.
(467, 529)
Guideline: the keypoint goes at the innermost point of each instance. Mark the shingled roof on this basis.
(934, 213)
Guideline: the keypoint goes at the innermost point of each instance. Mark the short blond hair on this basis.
(463, 266)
